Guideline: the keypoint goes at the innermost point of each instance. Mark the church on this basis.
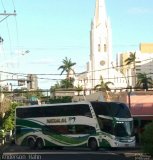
(100, 65)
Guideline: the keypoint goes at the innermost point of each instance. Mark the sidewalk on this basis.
(3, 147)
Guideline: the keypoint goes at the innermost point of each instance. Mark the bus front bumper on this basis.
(119, 144)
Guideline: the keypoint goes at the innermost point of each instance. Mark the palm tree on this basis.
(79, 88)
(103, 85)
(143, 81)
(67, 66)
(131, 60)
(56, 86)
(67, 83)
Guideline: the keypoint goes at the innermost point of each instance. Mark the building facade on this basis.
(100, 60)
(32, 82)
(143, 63)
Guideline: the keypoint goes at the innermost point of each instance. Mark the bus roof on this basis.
(53, 104)
(70, 103)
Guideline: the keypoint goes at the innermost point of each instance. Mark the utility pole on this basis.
(6, 15)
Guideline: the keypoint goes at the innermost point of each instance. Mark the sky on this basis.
(44, 32)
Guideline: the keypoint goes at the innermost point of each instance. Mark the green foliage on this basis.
(103, 86)
(67, 83)
(67, 66)
(143, 81)
(65, 99)
(79, 88)
(9, 118)
(131, 59)
(147, 139)
(8, 124)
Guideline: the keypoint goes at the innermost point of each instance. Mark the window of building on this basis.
(105, 48)
(99, 48)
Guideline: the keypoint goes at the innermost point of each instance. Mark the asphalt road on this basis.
(14, 152)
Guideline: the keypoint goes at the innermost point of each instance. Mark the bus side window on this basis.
(85, 111)
(106, 125)
(85, 129)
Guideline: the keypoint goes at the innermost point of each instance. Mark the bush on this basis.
(65, 99)
(147, 139)
(8, 120)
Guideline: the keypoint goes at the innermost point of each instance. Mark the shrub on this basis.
(65, 99)
(8, 120)
(147, 139)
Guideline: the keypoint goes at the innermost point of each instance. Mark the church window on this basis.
(105, 48)
(99, 47)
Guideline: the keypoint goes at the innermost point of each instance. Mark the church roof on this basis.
(100, 12)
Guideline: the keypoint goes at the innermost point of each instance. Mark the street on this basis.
(14, 152)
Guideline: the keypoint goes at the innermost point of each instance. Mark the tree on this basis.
(131, 60)
(143, 81)
(64, 99)
(79, 89)
(9, 119)
(4, 104)
(147, 139)
(67, 66)
(103, 85)
(67, 83)
(56, 86)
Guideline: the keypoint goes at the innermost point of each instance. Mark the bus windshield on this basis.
(112, 109)
(123, 129)
(119, 129)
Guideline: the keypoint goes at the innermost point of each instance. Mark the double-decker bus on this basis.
(77, 124)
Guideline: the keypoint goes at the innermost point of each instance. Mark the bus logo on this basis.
(57, 120)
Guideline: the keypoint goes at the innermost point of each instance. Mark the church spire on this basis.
(100, 12)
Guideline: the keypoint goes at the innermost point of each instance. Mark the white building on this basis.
(32, 82)
(143, 63)
(100, 63)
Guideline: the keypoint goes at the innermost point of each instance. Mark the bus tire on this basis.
(39, 143)
(31, 143)
(92, 144)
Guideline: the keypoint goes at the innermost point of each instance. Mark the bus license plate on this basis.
(126, 145)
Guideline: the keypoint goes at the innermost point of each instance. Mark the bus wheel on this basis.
(93, 144)
(31, 143)
(40, 144)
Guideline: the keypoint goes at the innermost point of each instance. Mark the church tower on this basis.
(100, 45)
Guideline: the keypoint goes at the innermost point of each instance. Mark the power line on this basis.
(55, 74)
(56, 79)
(25, 75)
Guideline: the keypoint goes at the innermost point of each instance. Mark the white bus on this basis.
(88, 124)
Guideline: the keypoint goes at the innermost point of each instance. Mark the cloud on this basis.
(140, 10)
